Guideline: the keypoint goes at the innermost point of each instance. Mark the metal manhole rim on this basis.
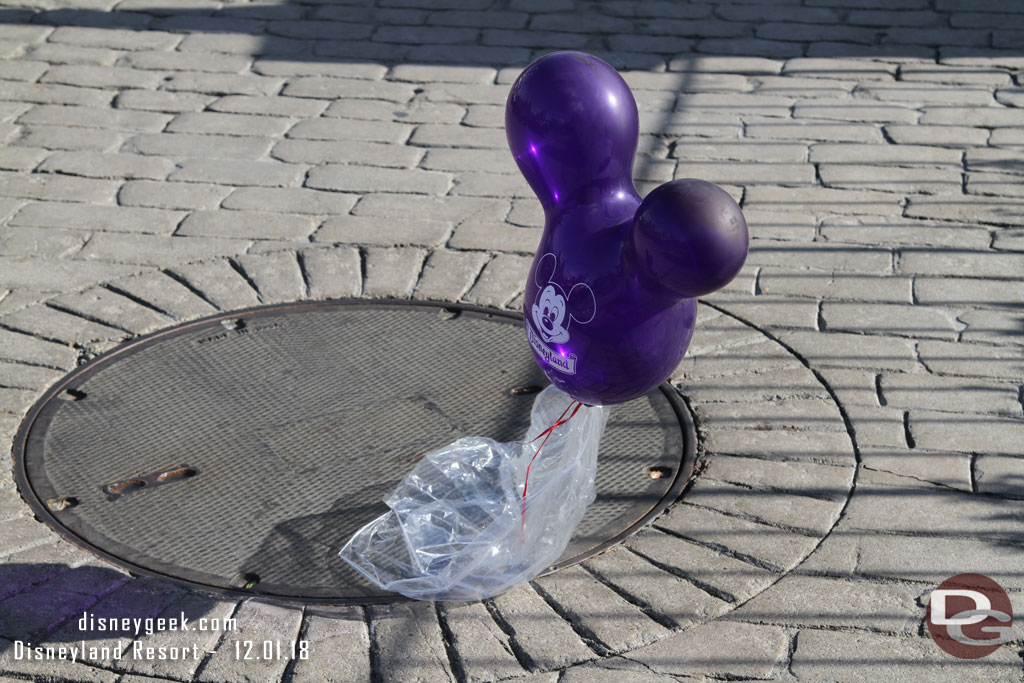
(43, 513)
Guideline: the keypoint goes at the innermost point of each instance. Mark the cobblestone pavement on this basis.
(858, 388)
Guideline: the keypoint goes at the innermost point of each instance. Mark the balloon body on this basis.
(608, 315)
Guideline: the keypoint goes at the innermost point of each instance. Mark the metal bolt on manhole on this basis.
(238, 453)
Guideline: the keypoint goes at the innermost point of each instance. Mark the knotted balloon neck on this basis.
(562, 419)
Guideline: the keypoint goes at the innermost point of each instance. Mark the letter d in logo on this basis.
(969, 616)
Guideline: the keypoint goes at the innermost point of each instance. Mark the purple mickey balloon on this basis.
(609, 305)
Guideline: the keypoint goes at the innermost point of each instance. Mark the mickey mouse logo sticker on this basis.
(554, 312)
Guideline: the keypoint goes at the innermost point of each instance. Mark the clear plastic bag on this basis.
(460, 527)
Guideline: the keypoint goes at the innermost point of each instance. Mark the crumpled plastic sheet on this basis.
(459, 527)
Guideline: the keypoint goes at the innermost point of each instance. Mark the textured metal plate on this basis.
(220, 454)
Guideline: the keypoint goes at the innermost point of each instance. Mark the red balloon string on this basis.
(562, 419)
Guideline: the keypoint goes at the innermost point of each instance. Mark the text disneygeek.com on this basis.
(134, 628)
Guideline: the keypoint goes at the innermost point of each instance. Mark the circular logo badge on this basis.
(969, 616)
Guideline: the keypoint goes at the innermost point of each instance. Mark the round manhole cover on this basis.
(240, 452)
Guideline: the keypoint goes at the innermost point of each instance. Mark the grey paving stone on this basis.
(967, 433)
(392, 272)
(98, 303)
(892, 179)
(996, 210)
(883, 154)
(502, 278)
(598, 611)
(767, 545)
(889, 503)
(921, 94)
(98, 217)
(377, 231)
(338, 646)
(448, 274)
(960, 262)
(290, 200)
(64, 53)
(942, 136)
(95, 117)
(747, 174)
(100, 77)
(808, 479)
(95, 165)
(483, 234)
(613, 670)
(971, 360)
(484, 651)
(159, 100)
(859, 69)
(119, 39)
(451, 209)
(56, 275)
(1007, 137)
(201, 146)
(21, 158)
(155, 250)
(276, 276)
(722, 649)
(332, 273)
(217, 123)
(441, 135)
(55, 325)
(163, 195)
(259, 623)
(1003, 184)
(822, 200)
(335, 88)
(219, 283)
(537, 631)
(853, 350)
(284, 67)
(28, 349)
(719, 574)
(947, 73)
(409, 643)
(664, 595)
(20, 376)
(999, 475)
(993, 117)
(53, 93)
(238, 172)
(350, 129)
(363, 153)
(58, 137)
(247, 224)
(940, 467)
(414, 111)
(827, 602)
(821, 255)
(890, 319)
(377, 179)
(811, 516)
(993, 326)
(877, 426)
(159, 60)
(894, 230)
(834, 285)
(222, 84)
(859, 656)
(165, 293)
(951, 394)
(269, 105)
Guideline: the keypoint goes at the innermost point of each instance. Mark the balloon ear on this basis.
(690, 236)
(545, 270)
(581, 304)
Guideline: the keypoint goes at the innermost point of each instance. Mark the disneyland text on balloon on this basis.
(562, 362)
